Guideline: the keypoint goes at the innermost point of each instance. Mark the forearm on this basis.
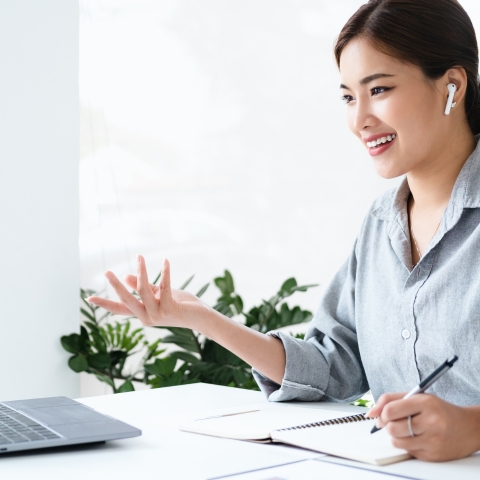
(263, 352)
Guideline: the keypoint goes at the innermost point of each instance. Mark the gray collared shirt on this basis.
(384, 324)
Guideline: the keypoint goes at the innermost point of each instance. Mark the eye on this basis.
(347, 98)
(378, 90)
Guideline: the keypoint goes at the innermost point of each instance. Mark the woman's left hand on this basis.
(442, 431)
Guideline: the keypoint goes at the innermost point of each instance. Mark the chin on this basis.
(387, 170)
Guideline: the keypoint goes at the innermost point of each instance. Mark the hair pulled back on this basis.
(435, 35)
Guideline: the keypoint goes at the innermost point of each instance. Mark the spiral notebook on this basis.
(325, 431)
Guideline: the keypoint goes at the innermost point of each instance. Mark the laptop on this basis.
(56, 422)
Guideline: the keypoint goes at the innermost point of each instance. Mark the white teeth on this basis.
(381, 140)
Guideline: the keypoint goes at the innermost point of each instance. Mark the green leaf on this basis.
(99, 360)
(297, 316)
(202, 290)
(288, 285)
(268, 304)
(185, 285)
(84, 339)
(105, 379)
(185, 357)
(183, 337)
(92, 326)
(179, 331)
(98, 341)
(117, 356)
(78, 363)
(239, 377)
(229, 282)
(174, 380)
(157, 278)
(303, 288)
(252, 319)
(126, 387)
(162, 367)
(110, 333)
(224, 308)
(88, 315)
(238, 304)
(72, 343)
(221, 284)
(152, 347)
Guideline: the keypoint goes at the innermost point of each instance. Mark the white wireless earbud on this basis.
(452, 88)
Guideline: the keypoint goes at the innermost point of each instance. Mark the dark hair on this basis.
(435, 35)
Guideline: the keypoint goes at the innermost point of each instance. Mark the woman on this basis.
(406, 299)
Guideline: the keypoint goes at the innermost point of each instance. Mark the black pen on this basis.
(424, 384)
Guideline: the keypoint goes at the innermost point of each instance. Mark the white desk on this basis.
(167, 453)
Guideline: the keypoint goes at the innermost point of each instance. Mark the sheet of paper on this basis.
(253, 424)
(310, 470)
(350, 440)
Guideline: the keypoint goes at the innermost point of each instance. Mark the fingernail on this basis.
(139, 258)
(107, 276)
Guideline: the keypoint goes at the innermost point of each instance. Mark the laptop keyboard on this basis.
(17, 428)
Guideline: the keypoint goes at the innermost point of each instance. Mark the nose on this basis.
(362, 116)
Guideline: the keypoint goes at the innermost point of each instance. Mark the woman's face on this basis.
(390, 99)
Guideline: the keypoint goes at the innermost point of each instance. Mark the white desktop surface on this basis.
(163, 451)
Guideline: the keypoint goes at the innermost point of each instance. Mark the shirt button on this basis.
(405, 334)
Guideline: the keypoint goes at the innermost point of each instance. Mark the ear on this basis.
(458, 77)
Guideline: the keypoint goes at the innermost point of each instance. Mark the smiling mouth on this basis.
(381, 141)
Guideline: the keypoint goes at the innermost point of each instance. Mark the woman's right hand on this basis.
(158, 305)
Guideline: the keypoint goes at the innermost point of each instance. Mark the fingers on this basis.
(143, 287)
(382, 401)
(131, 281)
(399, 409)
(114, 307)
(399, 428)
(165, 290)
(149, 294)
(134, 305)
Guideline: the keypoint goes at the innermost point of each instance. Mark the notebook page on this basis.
(349, 440)
(257, 425)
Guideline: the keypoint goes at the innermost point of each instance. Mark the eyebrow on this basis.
(370, 78)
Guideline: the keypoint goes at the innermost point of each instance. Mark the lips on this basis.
(377, 144)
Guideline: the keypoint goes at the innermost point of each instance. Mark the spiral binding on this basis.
(334, 421)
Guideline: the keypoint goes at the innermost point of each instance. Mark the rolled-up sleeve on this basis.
(326, 365)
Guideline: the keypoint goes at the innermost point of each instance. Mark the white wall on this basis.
(38, 195)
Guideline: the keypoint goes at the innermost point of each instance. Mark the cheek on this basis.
(414, 118)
